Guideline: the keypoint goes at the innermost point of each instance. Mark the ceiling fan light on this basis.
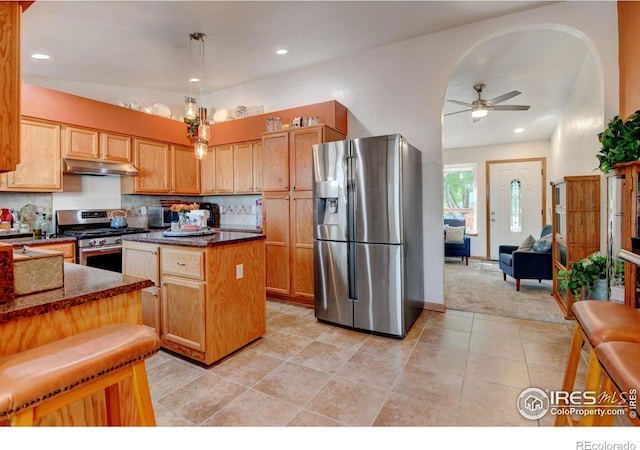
(478, 113)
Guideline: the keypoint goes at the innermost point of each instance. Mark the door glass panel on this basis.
(515, 206)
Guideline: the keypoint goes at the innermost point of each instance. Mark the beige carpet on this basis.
(479, 288)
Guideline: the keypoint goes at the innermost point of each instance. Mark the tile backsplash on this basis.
(234, 209)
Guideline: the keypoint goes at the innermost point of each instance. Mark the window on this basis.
(459, 193)
(515, 206)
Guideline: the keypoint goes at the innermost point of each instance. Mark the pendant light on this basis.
(191, 109)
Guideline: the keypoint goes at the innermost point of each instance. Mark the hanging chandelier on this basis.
(196, 116)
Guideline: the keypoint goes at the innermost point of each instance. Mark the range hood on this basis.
(82, 167)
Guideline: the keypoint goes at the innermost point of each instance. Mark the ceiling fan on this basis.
(480, 107)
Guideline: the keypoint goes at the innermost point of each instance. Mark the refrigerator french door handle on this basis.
(351, 229)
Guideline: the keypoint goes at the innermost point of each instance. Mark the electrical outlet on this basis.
(143, 210)
(239, 271)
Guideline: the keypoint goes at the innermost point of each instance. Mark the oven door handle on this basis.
(111, 249)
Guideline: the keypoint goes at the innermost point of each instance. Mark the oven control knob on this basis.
(92, 242)
(118, 240)
(102, 241)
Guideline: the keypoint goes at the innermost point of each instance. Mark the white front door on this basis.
(510, 224)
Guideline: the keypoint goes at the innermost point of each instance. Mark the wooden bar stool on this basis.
(41, 380)
(620, 362)
(596, 322)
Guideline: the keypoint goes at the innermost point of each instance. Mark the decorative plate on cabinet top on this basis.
(28, 213)
(162, 110)
(220, 115)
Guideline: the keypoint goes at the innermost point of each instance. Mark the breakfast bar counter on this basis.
(82, 284)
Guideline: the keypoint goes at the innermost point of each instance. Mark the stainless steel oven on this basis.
(98, 244)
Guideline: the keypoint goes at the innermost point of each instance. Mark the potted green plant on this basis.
(620, 142)
(585, 274)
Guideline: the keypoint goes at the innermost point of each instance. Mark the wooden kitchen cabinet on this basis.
(143, 260)
(247, 160)
(10, 16)
(185, 171)
(275, 207)
(80, 143)
(301, 208)
(208, 173)
(152, 159)
(288, 209)
(205, 310)
(224, 168)
(232, 169)
(275, 161)
(68, 249)
(84, 143)
(40, 168)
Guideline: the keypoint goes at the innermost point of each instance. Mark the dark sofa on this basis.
(525, 265)
(462, 249)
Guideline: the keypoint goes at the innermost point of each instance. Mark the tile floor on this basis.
(453, 369)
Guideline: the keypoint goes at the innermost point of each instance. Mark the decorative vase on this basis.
(599, 290)
(183, 218)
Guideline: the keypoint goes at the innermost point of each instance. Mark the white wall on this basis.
(575, 141)
(400, 88)
(479, 156)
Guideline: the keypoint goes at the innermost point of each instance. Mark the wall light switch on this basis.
(143, 210)
(239, 271)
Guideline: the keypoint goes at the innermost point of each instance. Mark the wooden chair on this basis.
(41, 380)
(596, 322)
(620, 363)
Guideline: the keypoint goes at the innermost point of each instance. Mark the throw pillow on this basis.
(526, 244)
(543, 244)
(454, 234)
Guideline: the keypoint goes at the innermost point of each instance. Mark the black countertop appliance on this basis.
(214, 214)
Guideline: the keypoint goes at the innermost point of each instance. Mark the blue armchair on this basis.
(462, 249)
(526, 265)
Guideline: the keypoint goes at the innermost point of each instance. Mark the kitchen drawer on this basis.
(68, 249)
(182, 262)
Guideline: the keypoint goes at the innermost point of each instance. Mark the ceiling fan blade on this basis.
(504, 97)
(457, 112)
(457, 102)
(510, 108)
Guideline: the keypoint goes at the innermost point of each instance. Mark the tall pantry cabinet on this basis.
(288, 209)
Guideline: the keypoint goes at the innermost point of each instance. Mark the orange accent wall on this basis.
(628, 60)
(43, 103)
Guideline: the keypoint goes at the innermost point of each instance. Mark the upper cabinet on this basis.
(185, 171)
(40, 166)
(286, 157)
(152, 161)
(232, 169)
(10, 85)
(83, 143)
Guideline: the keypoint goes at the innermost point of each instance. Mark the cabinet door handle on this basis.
(155, 294)
(153, 252)
(286, 197)
(181, 263)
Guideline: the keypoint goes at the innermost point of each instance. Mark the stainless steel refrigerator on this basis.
(368, 234)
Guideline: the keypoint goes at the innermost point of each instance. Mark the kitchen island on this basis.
(89, 299)
(208, 298)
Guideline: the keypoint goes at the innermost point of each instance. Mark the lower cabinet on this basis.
(184, 312)
(207, 303)
(68, 249)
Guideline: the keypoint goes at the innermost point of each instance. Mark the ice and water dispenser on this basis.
(327, 202)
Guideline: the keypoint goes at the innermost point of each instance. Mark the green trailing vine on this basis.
(620, 142)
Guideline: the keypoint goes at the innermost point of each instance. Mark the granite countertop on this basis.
(220, 237)
(30, 240)
(82, 284)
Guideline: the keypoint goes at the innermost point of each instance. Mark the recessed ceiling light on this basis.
(519, 130)
(282, 51)
(40, 56)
